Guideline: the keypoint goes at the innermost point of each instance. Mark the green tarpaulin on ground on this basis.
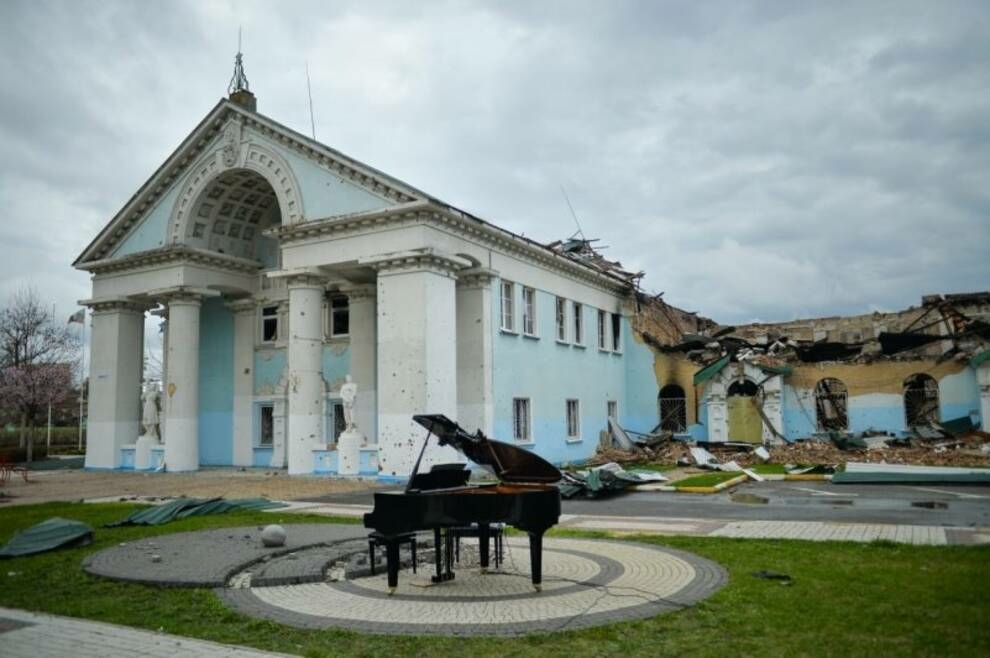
(46, 536)
(181, 508)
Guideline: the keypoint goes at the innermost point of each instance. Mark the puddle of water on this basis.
(749, 499)
(930, 504)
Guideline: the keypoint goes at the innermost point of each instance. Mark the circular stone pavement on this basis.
(585, 583)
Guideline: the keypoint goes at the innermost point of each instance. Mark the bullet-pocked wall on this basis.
(557, 378)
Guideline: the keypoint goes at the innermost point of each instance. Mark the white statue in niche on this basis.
(350, 440)
(149, 415)
(348, 395)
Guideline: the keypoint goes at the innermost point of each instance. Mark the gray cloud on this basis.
(758, 160)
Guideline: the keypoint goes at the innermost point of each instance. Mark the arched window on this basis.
(742, 387)
(672, 406)
(831, 404)
(921, 400)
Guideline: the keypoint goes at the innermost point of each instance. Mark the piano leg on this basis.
(484, 532)
(443, 546)
(536, 558)
(392, 564)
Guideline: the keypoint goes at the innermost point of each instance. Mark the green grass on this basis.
(769, 469)
(847, 599)
(705, 479)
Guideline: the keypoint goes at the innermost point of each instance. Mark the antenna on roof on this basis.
(580, 231)
(309, 90)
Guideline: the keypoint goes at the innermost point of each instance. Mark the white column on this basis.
(182, 384)
(306, 389)
(475, 402)
(417, 355)
(244, 313)
(363, 339)
(116, 360)
(983, 380)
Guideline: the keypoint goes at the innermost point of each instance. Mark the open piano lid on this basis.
(507, 462)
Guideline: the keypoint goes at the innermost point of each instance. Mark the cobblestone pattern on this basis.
(304, 566)
(48, 636)
(206, 558)
(924, 535)
(586, 583)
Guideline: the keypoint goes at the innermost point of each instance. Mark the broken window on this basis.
(832, 404)
(578, 326)
(743, 387)
(340, 316)
(269, 324)
(616, 332)
(520, 419)
(561, 319)
(602, 328)
(573, 420)
(672, 406)
(921, 400)
(266, 428)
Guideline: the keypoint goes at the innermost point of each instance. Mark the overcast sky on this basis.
(760, 161)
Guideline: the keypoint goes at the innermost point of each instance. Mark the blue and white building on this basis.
(280, 265)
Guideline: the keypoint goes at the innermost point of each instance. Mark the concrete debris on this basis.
(605, 480)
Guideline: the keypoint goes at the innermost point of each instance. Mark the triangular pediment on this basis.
(311, 180)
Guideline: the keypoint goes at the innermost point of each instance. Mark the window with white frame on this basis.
(520, 419)
(612, 410)
(529, 311)
(266, 425)
(269, 324)
(602, 329)
(340, 316)
(578, 325)
(561, 319)
(573, 419)
(616, 332)
(508, 310)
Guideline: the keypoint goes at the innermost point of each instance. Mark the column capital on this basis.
(306, 277)
(121, 305)
(241, 305)
(417, 260)
(359, 293)
(476, 277)
(181, 298)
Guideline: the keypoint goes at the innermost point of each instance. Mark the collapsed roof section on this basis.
(955, 326)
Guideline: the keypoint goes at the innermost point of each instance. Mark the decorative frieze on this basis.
(417, 261)
(116, 306)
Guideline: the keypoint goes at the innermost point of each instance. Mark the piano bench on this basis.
(496, 532)
(378, 539)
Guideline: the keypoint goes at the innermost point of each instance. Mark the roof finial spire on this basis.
(239, 90)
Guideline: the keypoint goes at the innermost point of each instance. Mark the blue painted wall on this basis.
(269, 364)
(216, 384)
(336, 362)
(638, 410)
(150, 233)
(549, 373)
(325, 194)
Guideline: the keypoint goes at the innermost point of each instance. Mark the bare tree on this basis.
(37, 356)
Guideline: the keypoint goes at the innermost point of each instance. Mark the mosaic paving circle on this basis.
(585, 583)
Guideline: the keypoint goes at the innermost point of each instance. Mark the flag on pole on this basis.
(79, 316)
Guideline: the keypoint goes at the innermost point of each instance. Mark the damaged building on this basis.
(894, 373)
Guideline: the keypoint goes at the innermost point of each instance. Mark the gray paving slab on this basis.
(206, 558)
(32, 635)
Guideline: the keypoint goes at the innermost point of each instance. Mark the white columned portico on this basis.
(305, 381)
(116, 363)
(244, 312)
(475, 401)
(417, 353)
(181, 394)
(363, 336)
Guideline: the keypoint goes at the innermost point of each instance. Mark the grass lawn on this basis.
(879, 599)
(769, 469)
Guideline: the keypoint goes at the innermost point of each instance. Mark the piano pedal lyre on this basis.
(391, 591)
(538, 588)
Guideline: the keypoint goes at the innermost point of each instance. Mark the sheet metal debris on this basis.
(181, 508)
(48, 535)
(605, 480)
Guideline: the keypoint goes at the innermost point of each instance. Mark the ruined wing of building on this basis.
(280, 266)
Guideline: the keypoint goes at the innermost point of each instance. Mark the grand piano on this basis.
(440, 500)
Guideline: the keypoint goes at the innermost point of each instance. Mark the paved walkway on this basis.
(923, 535)
(31, 635)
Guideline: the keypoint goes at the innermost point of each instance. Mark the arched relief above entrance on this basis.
(207, 177)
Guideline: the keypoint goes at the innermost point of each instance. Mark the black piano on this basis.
(524, 497)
